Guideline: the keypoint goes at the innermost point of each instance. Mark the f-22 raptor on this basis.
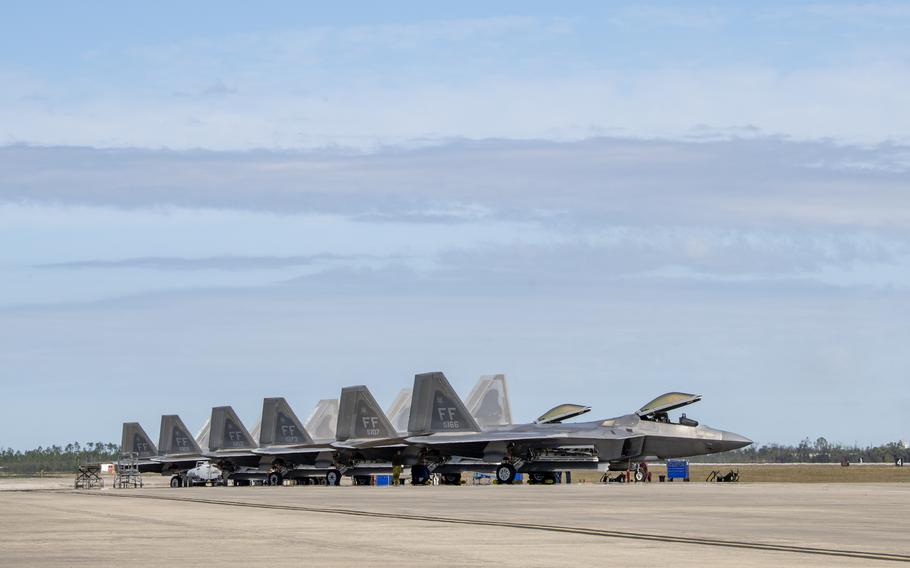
(441, 429)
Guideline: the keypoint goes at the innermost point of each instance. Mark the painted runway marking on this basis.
(531, 526)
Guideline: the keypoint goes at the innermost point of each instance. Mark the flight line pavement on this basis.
(363, 526)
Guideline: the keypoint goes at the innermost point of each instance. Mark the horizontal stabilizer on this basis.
(136, 441)
(175, 438)
(435, 407)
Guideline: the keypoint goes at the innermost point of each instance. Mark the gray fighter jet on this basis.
(286, 448)
(176, 453)
(135, 441)
(441, 428)
(366, 440)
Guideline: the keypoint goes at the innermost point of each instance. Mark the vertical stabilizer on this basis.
(279, 426)
(228, 432)
(136, 441)
(175, 438)
(322, 421)
(435, 407)
(489, 401)
(400, 410)
(256, 430)
(202, 436)
(359, 416)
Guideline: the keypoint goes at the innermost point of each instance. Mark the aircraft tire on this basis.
(420, 475)
(451, 479)
(505, 473)
(275, 478)
(537, 477)
(176, 481)
(333, 477)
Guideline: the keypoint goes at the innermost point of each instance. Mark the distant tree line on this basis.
(57, 458)
(807, 451)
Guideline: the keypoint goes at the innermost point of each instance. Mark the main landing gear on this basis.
(542, 477)
(420, 474)
(505, 473)
(333, 477)
(451, 479)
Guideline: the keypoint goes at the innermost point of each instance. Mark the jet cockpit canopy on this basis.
(657, 410)
(562, 412)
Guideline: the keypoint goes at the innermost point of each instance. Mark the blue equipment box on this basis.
(677, 469)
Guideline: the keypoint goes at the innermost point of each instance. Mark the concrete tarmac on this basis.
(691, 524)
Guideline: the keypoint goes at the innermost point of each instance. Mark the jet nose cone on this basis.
(734, 441)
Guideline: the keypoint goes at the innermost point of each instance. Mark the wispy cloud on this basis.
(750, 183)
(226, 263)
(526, 77)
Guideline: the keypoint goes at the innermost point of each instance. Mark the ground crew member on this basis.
(396, 470)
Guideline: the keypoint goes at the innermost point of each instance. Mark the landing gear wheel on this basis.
(275, 478)
(451, 479)
(505, 473)
(176, 481)
(537, 477)
(420, 475)
(333, 477)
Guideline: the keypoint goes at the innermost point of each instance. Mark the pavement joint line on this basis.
(885, 556)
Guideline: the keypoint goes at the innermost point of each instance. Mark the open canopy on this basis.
(562, 412)
(667, 402)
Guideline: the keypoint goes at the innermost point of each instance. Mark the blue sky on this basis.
(605, 203)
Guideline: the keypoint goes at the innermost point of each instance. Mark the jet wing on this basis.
(369, 443)
(522, 436)
(179, 461)
(290, 450)
(233, 454)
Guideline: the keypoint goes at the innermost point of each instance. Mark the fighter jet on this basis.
(230, 446)
(286, 448)
(368, 442)
(176, 453)
(441, 428)
(135, 442)
(365, 440)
